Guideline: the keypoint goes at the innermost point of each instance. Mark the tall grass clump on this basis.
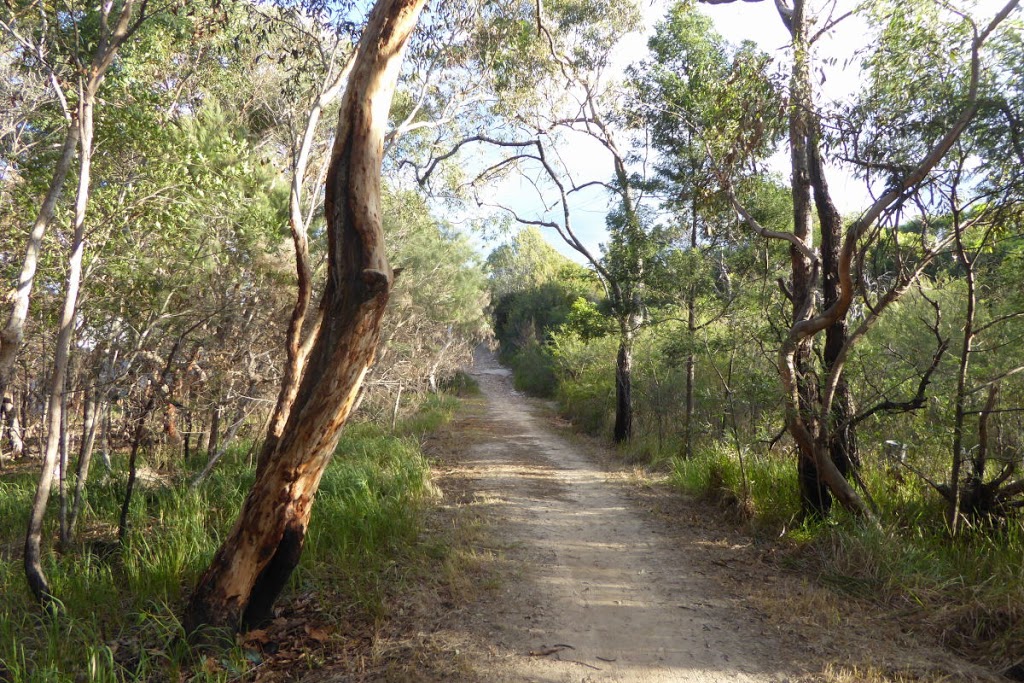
(120, 603)
(367, 516)
(761, 489)
(460, 383)
(968, 589)
(432, 413)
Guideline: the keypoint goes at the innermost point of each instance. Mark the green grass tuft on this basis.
(766, 496)
(121, 604)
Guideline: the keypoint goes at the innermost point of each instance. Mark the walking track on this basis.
(603, 595)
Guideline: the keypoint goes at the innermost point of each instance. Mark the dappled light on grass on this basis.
(121, 605)
(963, 590)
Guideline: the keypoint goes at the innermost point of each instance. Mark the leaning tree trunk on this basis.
(109, 41)
(296, 351)
(13, 334)
(55, 432)
(256, 559)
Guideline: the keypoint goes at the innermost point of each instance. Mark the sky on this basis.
(587, 160)
(759, 22)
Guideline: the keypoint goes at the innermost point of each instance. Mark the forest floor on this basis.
(578, 568)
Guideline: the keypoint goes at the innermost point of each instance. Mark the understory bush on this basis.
(759, 488)
(533, 370)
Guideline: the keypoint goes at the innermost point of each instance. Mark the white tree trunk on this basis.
(62, 352)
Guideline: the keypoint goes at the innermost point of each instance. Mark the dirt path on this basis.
(601, 593)
(555, 563)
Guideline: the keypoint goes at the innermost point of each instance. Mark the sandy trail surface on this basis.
(556, 562)
(601, 593)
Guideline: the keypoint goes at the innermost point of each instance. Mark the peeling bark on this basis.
(296, 351)
(256, 559)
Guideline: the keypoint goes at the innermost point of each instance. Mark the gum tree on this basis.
(259, 554)
(550, 73)
(823, 276)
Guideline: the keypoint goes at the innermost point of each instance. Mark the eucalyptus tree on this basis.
(974, 200)
(696, 94)
(524, 263)
(822, 285)
(172, 249)
(550, 73)
(258, 556)
(533, 290)
(311, 62)
(25, 93)
(69, 48)
(78, 52)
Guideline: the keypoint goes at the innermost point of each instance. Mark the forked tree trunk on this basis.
(56, 424)
(816, 501)
(256, 559)
(296, 351)
(842, 437)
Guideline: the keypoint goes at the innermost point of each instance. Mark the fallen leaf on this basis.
(211, 666)
(258, 635)
(318, 634)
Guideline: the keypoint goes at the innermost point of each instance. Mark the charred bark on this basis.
(253, 564)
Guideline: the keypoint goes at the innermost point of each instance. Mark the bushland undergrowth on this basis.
(968, 590)
(121, 604)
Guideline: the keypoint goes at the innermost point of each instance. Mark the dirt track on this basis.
(602, 594)
(592, 572)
